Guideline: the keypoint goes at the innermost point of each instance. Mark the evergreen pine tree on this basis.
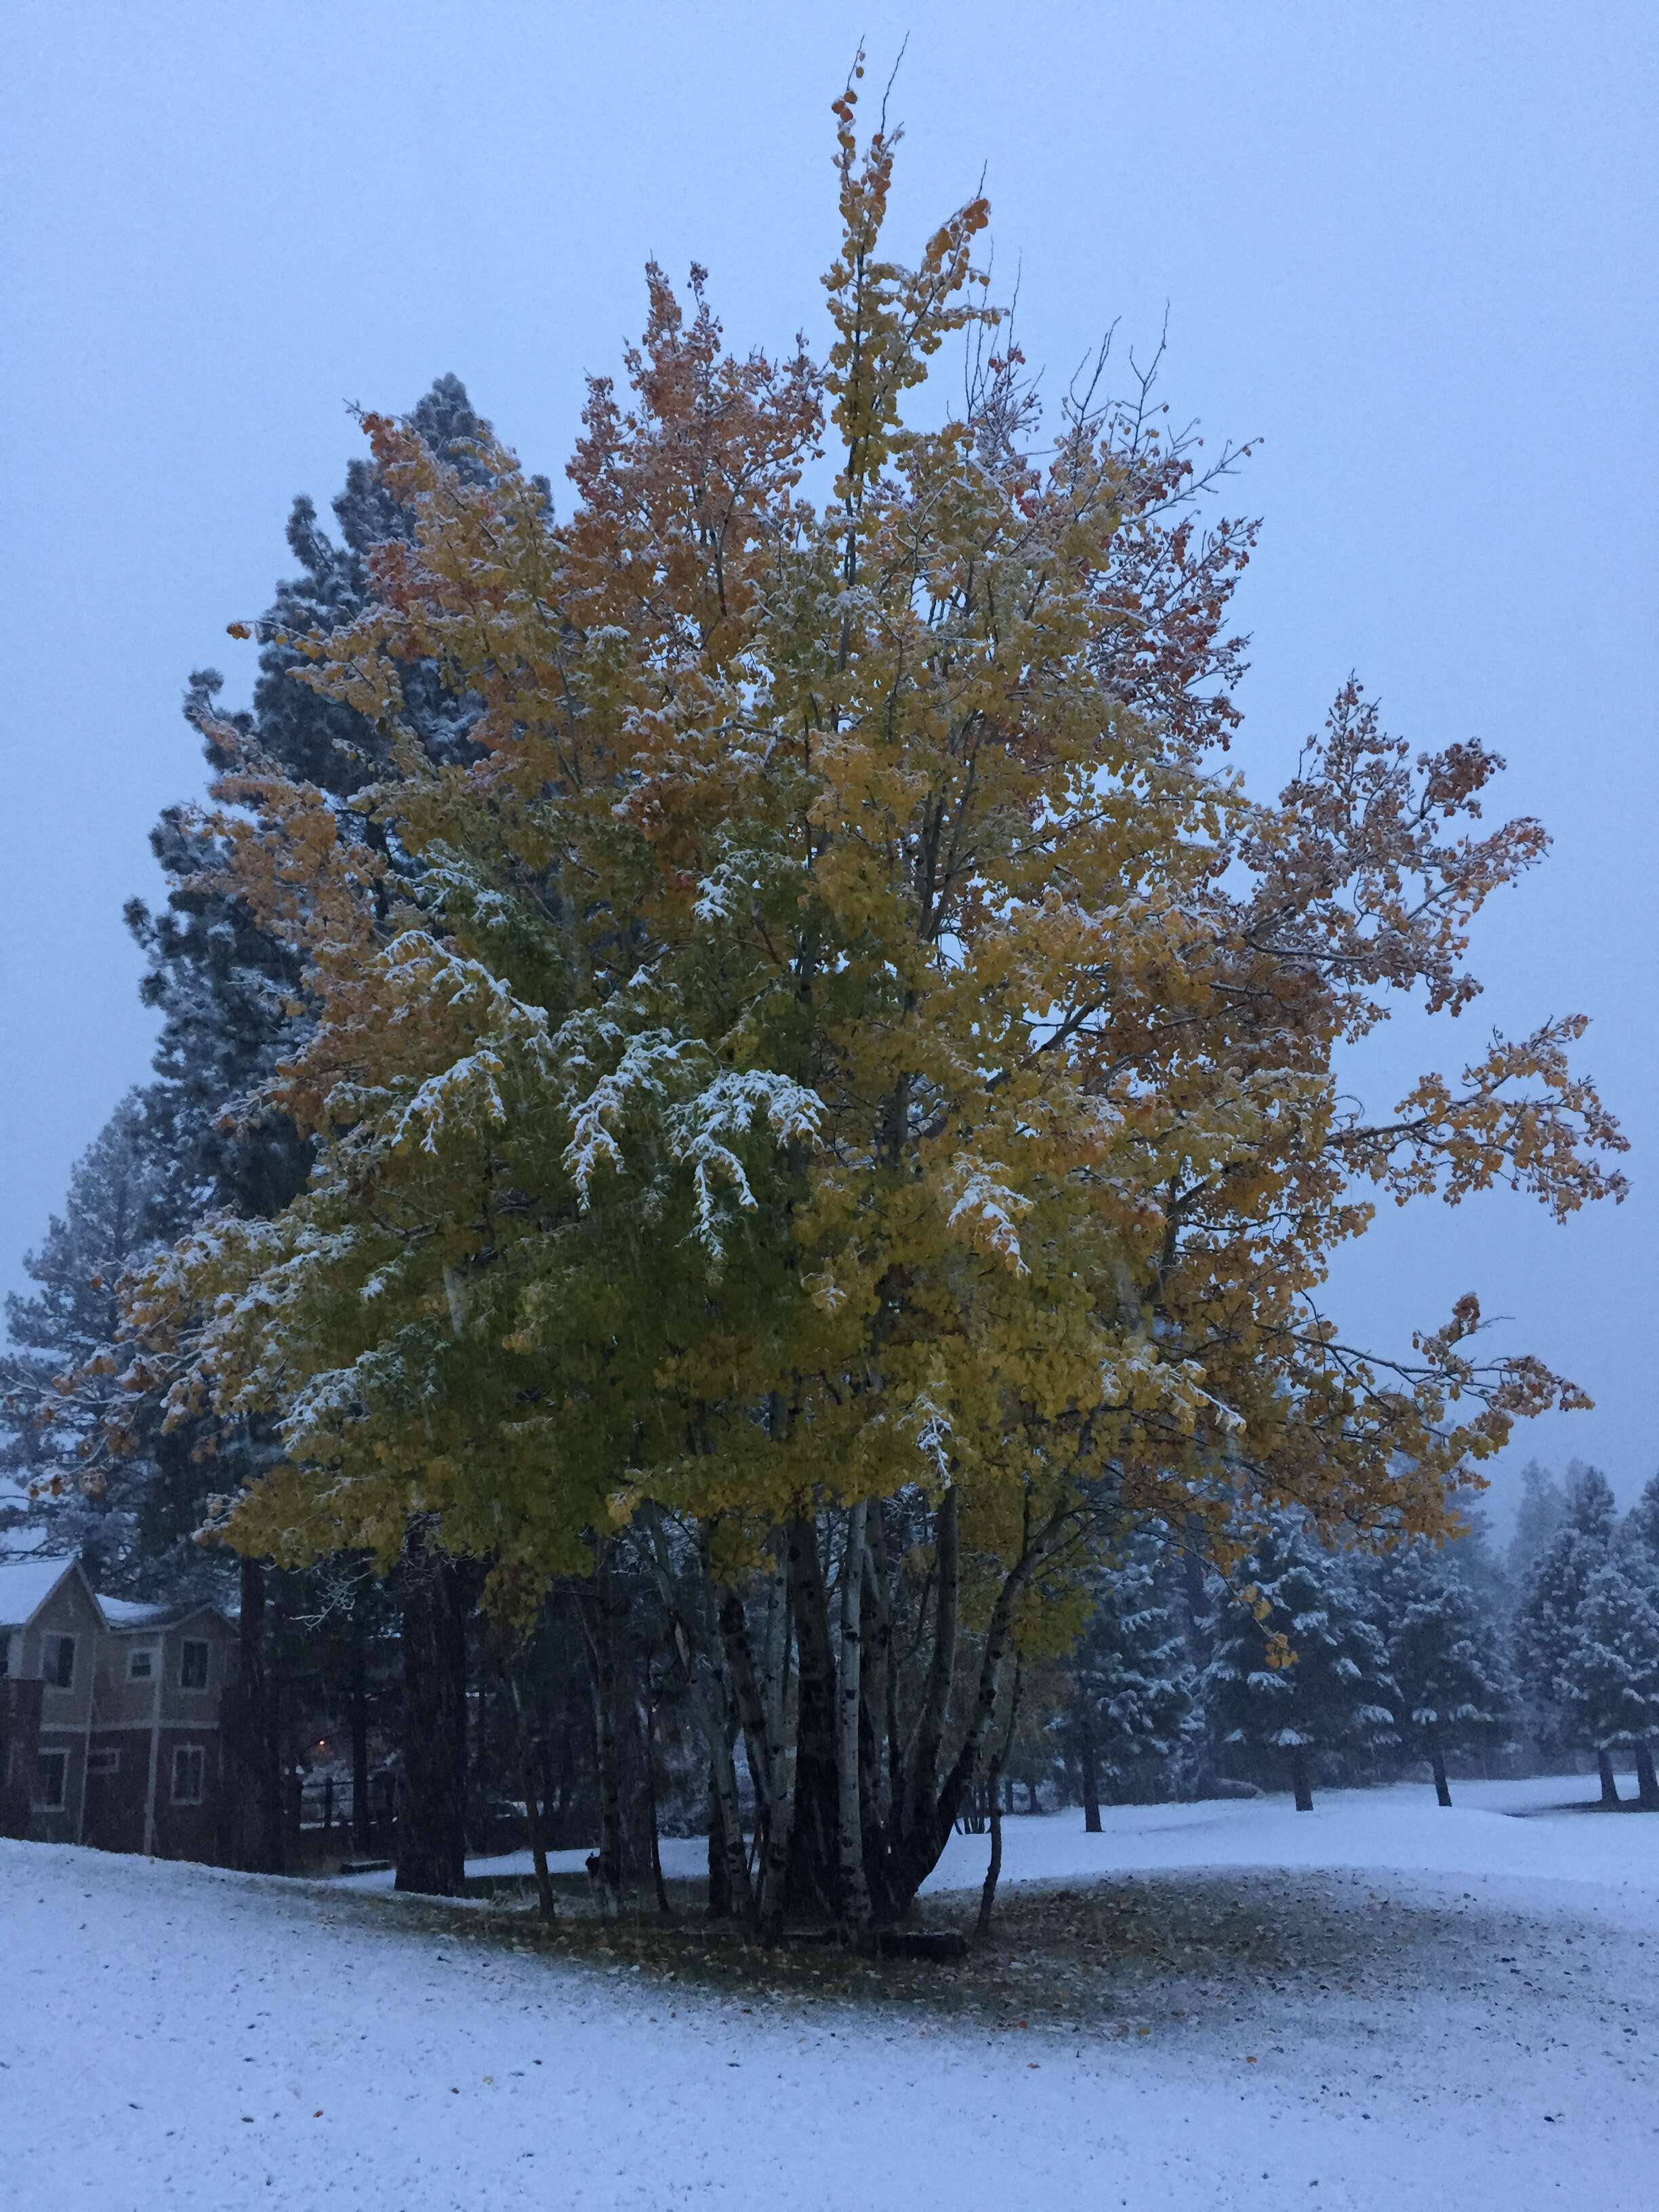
(230, 999)
(232, 1007)
(1611, 1678)
(1642, 1527)
(1444, 1654)
(115, 1210)
(1539, 1518)
(1132, 1683)
(1310, 1673)
(1547, 1620)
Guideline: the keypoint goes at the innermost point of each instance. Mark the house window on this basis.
(107, 1761)
(51, 1780)
(194, 1665)
(189, 1773)
(5, 1654)
(58, 1662)
(141, 1664)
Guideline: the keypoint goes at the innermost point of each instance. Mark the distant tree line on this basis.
(1424, 1658)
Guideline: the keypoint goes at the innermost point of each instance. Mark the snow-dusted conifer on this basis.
(116, 1210)
(1539, 1518)
(1611, 1678)
(1548, 1619)
(1444, 1652)
(1133, 1681)
(231, 998)
(1297, 1666)
(1641, 1528)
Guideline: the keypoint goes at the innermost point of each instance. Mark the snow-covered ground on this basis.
(183, 2038)
(1402, 1829)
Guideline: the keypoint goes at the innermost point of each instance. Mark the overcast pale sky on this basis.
(1412, 247)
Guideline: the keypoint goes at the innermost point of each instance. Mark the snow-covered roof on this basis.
(27, 1583)
(24, 1586)
(124, 1614)
(129, 1613)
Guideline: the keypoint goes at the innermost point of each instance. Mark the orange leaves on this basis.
(1519, 1116)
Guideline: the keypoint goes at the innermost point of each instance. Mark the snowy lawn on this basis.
(1394, 2005)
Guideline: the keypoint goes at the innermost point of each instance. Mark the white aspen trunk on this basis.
(922, 1753)
(856, 1895)
(705, 1678)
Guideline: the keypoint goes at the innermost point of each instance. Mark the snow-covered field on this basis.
(182, 2038)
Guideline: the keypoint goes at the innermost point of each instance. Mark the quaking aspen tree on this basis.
(840, 1082)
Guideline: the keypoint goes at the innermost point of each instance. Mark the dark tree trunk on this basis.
(1192, 1576)
(363, 1839)
(1443, 1794)
(813, 1886)
(1300, 1781)
(657, 1882)
(987, 1896)
(1088, 1763)
(431, 1842)
(260, 1838)
(1647, 1783)
(602, 1657)
(741, 1665)
(722, 1903)
(1609, 1787)
(524, 1746)
(916, 1851)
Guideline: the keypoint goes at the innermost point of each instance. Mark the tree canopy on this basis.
(835, 1026)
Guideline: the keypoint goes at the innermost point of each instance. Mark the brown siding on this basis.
(119, 1699)
(62, 1825)
(184, 1707)
(68, 1612)
(20, 1738)
(115, 1802)
(189, 1831)
(130, 1720)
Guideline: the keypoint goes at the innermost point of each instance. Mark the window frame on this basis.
(188, 1645)
(39, 1802)
(147, 1673)
(52, 1645)
(104, 1759)
(197, 1752)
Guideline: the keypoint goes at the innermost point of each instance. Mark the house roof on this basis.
(24, 1586)
(128, 1612)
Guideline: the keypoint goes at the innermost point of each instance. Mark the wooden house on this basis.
(110, 1715)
